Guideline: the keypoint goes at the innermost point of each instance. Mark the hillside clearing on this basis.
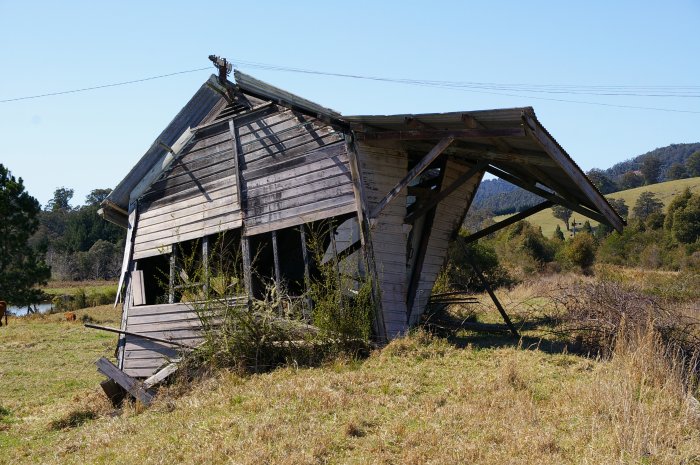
(665, 191)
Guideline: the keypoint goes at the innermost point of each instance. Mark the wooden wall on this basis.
(294, 171)
(448, 215)
(382, 169)
(195, 198)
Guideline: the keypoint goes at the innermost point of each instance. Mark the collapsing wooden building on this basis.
(258, 163)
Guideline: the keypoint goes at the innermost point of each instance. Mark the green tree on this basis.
(620, 206)
(651, 169)
(683, 217)
(679, 202)
(587, 228)
(20, 267)
(558, 234)
(676, 171)
(96, 196)
(580, 251)
(61, 200)
(646, 204)
(562, 213)
(692, 164)
(630, 180)
(601, 180)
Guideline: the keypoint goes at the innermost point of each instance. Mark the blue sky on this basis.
(90, 140)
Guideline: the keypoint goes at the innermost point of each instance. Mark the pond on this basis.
(43, 307)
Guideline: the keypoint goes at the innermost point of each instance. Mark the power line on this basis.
(500, 89)
(103, 86)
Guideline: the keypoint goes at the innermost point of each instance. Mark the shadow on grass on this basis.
(73, 419)
(469, 332)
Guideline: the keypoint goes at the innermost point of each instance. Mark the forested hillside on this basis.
(676, 161)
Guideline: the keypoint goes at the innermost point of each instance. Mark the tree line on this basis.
(76, 242)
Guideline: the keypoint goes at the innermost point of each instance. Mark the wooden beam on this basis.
(478, 168)
(508, 221)
(128, 250)
(307, 272)
(278, 273)
(417, 134)
(131, 385)
(205, 264)
(417, 268)
(247, 272)
(418, 169)
(142, 336)
(495, 300)
(530, 186)
(539, 135)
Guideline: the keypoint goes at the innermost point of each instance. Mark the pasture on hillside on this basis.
(664, 191)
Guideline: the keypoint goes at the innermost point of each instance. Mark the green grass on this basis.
(473, 398)
(54, 288)
(46, 365)
(665, 191)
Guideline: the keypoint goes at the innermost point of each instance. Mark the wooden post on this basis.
(132, 386)
(205, 265)
(495, 300)
(247, 276)
(172, 275)
(307, 273)
(278, 273)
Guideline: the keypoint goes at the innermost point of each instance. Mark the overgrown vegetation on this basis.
(332, 317)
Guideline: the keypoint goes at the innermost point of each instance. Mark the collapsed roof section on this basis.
(510, 143)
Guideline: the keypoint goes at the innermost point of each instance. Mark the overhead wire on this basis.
(501, 89)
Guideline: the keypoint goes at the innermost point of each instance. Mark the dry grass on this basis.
(422, 399)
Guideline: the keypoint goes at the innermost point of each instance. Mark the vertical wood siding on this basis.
(382, 169)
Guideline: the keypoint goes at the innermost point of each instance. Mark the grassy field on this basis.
(472, 398)
(54, 288)
(665, 191)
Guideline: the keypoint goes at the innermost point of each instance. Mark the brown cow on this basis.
(70, 316)
(3, 311)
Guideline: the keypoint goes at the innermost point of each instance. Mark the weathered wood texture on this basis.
(294, 171)
(448, 214)
(382, 169)
(194, 198)
(176, 322)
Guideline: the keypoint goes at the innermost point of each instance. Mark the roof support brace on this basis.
(478, 168)
(529, 186)
(418, 169)
(508, 221)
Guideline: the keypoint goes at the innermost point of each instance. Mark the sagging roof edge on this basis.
(115, 207)
(198, 107)
(549, 144)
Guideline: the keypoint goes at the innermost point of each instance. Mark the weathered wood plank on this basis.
(281, 221)
(418, 134)
(131, 385)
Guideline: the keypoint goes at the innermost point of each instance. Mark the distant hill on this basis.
(674, 153)
(665, 191)
(499, 197)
